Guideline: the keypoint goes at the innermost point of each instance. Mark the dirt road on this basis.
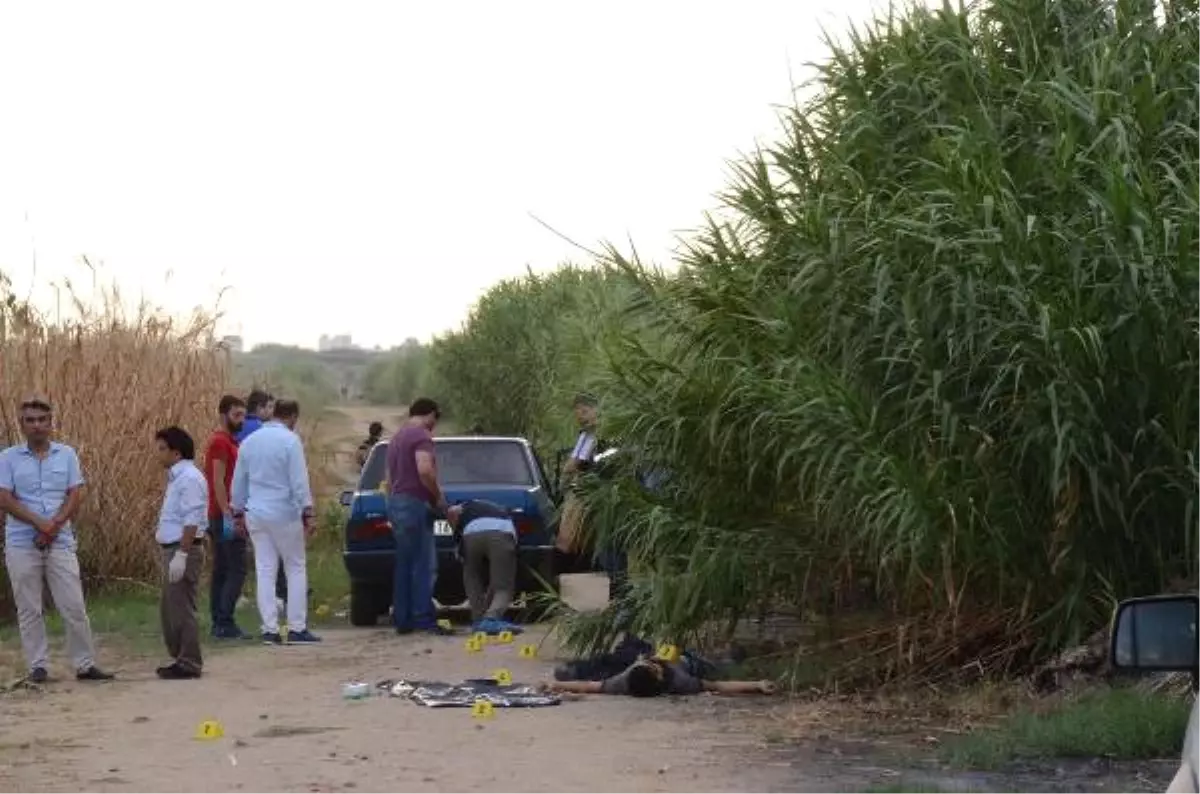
(287, 728)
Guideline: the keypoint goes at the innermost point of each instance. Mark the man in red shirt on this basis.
(229, 548)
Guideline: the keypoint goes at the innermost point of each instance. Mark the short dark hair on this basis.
(644, 681)
(177, 440)
(257, 399)
(229, 402)
(375, 428)
(36, 403)
(286, 409)
(583, 398)
(423, 406)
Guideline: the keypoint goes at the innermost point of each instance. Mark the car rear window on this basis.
(483, 462)
(462, 462)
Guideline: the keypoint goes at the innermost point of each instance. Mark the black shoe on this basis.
(305, 637)
(93, 673)
(37, 675)
(229, 633)
(174, 672)
(272, 638)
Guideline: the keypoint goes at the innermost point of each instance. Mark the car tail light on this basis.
(524, 524)
(372, 529)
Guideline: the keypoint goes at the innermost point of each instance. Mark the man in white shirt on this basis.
(273, 502)
(180, 535)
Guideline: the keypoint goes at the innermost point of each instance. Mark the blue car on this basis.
(502, 470)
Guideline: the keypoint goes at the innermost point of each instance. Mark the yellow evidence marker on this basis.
(502, 676)
(482, 710)
(528, 651)
(209, 730)
(323, 610)
(505, 638)
(668, 653)
(473, 645)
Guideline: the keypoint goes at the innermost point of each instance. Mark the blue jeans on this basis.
(412, 593)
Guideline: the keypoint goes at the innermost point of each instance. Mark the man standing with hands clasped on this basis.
(41, 489)
(272, 501)
(181, 524)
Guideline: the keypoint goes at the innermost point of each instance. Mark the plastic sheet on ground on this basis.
(436, 694)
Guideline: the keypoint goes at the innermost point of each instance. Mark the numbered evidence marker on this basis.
(502, 676)
(528, 652)
(473, 645)
(209, 730)
(482, 709)
(668, 653)
(505, 638)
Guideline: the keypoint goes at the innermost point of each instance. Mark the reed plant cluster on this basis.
(114, 377)
(936, 355)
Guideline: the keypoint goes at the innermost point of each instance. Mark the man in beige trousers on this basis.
(41, 488)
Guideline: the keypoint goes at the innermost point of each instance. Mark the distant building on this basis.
(232, 343)
(335, 342)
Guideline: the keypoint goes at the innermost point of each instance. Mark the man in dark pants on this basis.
(181, 525)
(488, 540)
(414, 497)
(228, 548)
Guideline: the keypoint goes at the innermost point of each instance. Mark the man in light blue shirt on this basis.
(41, 489)
(273, 502)
(260, 405)
(488, 539)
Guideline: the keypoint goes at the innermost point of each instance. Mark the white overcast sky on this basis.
(370, 167)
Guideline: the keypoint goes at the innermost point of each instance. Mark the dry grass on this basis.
(114, 377)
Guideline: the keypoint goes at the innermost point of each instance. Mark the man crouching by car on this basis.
(488, 543)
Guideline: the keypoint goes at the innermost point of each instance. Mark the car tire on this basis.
(449, 591)
(364, 606)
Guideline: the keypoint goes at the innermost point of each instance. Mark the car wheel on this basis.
(364, 606)
(449, 592)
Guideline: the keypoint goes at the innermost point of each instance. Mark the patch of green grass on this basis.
(128, 616)
(901, 787)
(1121, 724)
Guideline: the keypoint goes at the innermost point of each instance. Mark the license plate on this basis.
(441, 527)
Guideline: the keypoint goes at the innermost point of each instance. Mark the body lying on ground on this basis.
(652, 677)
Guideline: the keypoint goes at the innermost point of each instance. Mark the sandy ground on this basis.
(287, 728)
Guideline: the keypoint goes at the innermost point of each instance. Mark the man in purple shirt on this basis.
(414, 499)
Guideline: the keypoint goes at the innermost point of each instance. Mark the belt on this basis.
(175, 545)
